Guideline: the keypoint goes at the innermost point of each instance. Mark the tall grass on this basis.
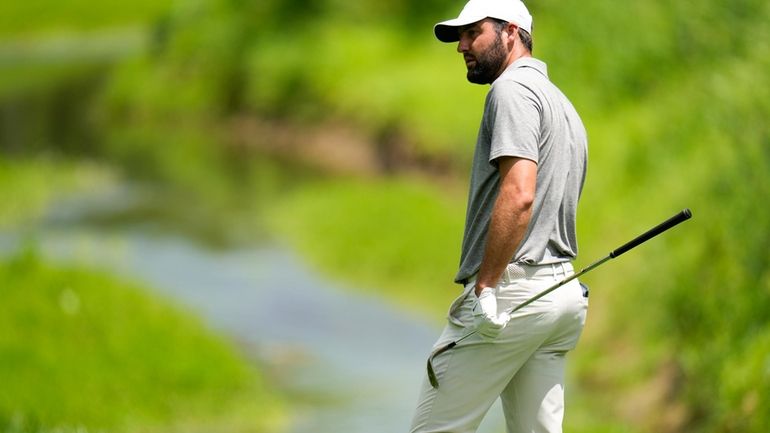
(397, 237)
(675, 100)
(675, 119)
(30, 186)
(81, 350)
(39, 17)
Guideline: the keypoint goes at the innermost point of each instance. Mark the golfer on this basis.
(527, 175)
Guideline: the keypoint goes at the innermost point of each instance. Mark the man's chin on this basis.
(477, 78)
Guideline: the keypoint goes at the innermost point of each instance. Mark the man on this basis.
(527, 175)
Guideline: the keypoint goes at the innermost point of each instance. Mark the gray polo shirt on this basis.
(526, 116)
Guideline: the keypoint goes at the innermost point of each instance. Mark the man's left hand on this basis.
(485, 318)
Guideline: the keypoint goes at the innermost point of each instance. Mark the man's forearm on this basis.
(510, 218)
(507, 227)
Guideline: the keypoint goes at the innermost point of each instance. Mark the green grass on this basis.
(400, 238)
(35, 17)
(675, 101)
(45, 43)
(30, 186)
(393, 86)
(678, 328)
(80, 349)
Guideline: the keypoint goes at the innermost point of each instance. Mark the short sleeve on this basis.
(513, 121)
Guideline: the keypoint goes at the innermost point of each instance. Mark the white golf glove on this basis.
(485, 318)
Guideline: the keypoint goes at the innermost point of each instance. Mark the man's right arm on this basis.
(510, 218)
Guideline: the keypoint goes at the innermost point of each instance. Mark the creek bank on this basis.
(349, 361)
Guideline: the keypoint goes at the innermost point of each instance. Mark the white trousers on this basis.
(524, 366)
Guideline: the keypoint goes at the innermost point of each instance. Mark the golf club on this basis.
(649, 234)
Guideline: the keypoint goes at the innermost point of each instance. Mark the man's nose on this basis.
(462, 45)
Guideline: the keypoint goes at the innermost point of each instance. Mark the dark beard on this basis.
(488, 64)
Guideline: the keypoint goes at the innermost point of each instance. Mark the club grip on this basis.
(651, 233)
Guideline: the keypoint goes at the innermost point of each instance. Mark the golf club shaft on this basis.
(682, 216)
(557, 285)
(644, 237)
(546, 291)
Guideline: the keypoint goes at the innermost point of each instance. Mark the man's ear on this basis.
(513, 32)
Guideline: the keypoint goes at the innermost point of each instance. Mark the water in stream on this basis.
(350, 362)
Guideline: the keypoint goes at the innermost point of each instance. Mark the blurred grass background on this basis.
(345, 130)
(83, 342)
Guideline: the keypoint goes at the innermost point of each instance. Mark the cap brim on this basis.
(448, 31)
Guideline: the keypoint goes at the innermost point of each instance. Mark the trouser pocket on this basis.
(456, 307)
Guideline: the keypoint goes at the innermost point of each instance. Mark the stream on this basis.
(349, 362)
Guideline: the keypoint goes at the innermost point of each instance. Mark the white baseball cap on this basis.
(512, 11)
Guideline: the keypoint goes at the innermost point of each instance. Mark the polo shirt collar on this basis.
(529, 62)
